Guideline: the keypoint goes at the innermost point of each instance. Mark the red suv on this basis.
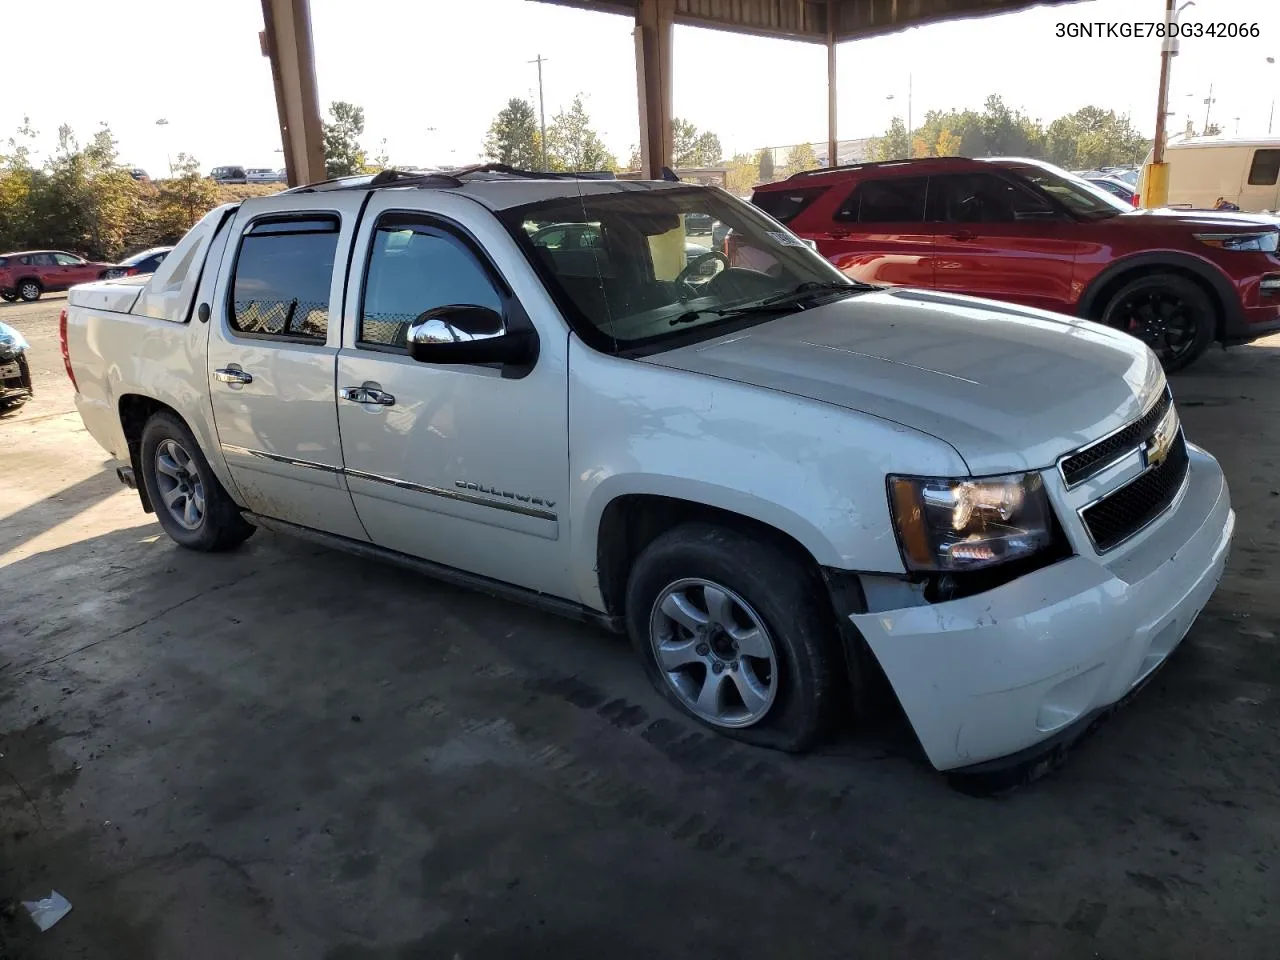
(1029, 233)
(30, 273)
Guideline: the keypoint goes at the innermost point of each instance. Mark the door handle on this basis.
(367, 395)
(232, 375)
(962, 235)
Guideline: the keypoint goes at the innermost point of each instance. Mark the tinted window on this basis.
(1265, 167)
(982, 198)
(894, 200)
(786, 205)
(66, 260)
(282, 278)
(415, 267)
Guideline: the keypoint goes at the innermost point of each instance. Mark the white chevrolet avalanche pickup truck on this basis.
(784, 486)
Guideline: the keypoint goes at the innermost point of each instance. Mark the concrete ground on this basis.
(285, 752)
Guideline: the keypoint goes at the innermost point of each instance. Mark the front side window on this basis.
(983, 198)
(1265, 168)
(1079, 196)
(66, 260)
(282, 278)
(416, 266)
(644, 281)
(890, 200)
(785, 205)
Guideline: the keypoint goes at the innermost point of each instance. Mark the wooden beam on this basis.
(286, 41)
(655, 21)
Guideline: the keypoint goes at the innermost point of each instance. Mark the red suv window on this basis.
(891, 200)
(785, 205)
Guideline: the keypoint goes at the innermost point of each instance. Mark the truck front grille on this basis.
(1096, 457)
(1119, 515)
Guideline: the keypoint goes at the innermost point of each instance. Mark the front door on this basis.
(272, 356)
(879, 233)
(71, 270)
(463, 465)
(997, 238)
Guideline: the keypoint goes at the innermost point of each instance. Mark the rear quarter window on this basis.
(1265, 168)
(785, 205)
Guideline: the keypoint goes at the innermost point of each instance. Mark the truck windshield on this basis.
(640, 268)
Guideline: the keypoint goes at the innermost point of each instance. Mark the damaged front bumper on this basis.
(995, 674)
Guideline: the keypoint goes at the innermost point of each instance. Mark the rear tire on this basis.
(30, 290)
(192, 506)
(747, 647)
(8, 296)
(1169, 313)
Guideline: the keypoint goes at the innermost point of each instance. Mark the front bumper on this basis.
(1002, 671)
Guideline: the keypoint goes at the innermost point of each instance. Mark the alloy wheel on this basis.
(715, 652)
(181, 490)
(1161, 319)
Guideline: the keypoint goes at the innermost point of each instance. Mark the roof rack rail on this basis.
(451, 178)
(511, 171)
(868, 163)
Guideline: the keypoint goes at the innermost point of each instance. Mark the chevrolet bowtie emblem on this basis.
(1161, 442)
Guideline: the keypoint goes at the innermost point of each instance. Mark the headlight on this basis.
(949, 525)
(1266, 242)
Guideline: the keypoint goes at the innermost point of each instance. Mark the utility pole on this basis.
(1208, 102)
(911, 143)
(542, 113)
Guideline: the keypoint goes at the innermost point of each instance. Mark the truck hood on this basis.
(1009, 388)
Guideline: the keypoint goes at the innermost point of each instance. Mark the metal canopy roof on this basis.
(807, 19)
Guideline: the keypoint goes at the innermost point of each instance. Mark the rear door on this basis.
(1259, 190)
(878, 234)
(998, 238)
(272, 357)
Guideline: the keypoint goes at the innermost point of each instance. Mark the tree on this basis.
(343, 154)
(893, 145)
(382, 161)
(801, 157)
(765, 165)
(743, 175)
(183, 199)
(947, 144)
(573, 145)
(689, 148)
(1091, 138)
(513, 136)
(920, 147)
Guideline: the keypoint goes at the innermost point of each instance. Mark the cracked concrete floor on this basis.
(282, 752)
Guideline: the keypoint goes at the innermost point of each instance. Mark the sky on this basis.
(431, 74)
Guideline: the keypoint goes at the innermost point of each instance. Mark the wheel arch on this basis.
(134, 410)
(1216, 284)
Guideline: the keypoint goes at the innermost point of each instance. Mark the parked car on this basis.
(1027, 232)
(262, 175)
(139, 264)
(15, 370)
(32, 273)
(229, 175)
(778, 482)
(1116, 187)
(139, 174)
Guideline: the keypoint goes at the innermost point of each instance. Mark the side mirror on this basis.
(461, 333)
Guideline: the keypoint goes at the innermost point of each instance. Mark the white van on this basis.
(1205, 170)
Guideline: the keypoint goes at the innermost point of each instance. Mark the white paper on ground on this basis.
(48, 911)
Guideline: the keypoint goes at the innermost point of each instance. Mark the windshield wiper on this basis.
(805, 290)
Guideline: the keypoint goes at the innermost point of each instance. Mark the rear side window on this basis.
(415, 266)
(785, 205)
(892, 200)
(282, 277)
(1265, 168)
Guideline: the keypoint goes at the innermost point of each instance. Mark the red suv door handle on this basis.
(962, 235)
(839, 234)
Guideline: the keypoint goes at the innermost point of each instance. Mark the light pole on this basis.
(910, 143)
(1271, 116)
(1208, 102)
(542, 112)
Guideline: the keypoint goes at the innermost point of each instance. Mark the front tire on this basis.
(1169, 313)
(736, 633)
(192, 506)
(29, 290)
